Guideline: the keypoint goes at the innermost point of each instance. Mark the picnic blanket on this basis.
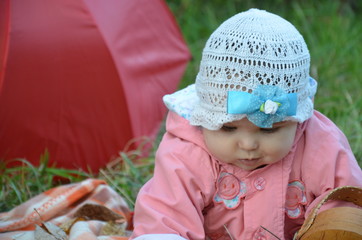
(90, 209)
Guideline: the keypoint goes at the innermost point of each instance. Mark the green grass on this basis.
(126, 174)
(26, 180)
(333, 32)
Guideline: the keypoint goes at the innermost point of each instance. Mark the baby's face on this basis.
(247, 146)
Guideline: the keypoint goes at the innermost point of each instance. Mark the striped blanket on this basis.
(86, 210)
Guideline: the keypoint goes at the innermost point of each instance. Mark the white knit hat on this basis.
(260, 60)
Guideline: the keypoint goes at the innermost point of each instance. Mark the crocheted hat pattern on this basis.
(250, 49)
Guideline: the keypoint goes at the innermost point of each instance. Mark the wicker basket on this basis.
(335, 223)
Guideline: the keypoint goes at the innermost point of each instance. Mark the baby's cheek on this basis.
(278, 148)
(283, 142)
(286, 147)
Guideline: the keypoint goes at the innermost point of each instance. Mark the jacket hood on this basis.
(180, 127)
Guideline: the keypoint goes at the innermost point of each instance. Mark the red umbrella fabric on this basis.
(81, 78)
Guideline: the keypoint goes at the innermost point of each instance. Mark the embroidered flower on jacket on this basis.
(296, 197)
(229, 190)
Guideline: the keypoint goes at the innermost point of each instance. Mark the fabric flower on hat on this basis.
(229, 190)
(296, 197)
(265, 106)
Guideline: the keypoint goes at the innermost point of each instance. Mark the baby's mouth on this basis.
(249, 161)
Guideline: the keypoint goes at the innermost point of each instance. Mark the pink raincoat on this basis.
(194, 196)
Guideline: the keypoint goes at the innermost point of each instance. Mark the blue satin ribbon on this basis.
(250, 104)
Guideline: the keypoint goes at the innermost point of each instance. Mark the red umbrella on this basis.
(81, 78)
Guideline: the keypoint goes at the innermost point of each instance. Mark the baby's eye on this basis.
(269, 130)
(228, 128)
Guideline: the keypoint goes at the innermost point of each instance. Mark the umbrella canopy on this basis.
(81, 78)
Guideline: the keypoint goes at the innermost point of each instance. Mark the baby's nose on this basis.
(247, 143)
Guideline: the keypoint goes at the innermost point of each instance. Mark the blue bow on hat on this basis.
(265, 106)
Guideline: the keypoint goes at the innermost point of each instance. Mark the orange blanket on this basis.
(87, 210)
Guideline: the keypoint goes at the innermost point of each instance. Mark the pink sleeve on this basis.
(328, 161)
(173, 200)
